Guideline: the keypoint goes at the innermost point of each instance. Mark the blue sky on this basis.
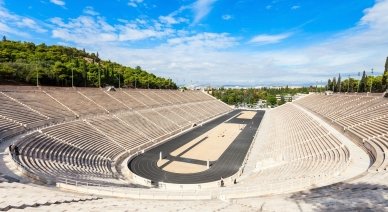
(216, 42)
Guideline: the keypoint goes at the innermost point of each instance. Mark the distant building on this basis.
(328, 92)
(262, 103)
(288, 98)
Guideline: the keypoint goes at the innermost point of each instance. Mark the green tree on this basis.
(271, 100)
(282, 101)
(363, 83)
(21, 60)
(384, 80)
(334, 84)
(329, 84)
(338, 84)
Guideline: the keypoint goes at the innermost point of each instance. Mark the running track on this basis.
(145, 165)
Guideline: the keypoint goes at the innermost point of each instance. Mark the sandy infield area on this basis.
(209, 146)
(247, 115)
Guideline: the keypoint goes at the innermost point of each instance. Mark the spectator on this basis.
(11, 149)
(16, 150)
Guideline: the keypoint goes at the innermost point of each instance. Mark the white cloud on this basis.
(376, 16)
(216, 58)
(88, 29)
(132, 32)
(265, 39)
(295, 7)
(31, 24)
(199, 57)
(90, 11)
(226, 17)
(11, 23)
(201, 9)
(171, 20)
(135, 3)
(83, 30)
(268, 7)
(6, 29)
(58, 2)
(203, 41)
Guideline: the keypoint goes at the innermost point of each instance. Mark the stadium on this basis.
(75, 140)
(81, 133)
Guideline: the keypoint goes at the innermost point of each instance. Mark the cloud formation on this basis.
(265, 39)
(58, 2)
(90, 11)
(12, 24)
(361, 47)
(201, 9)
(169, 45)
(91, 28)
(226, 17)
(135, 3)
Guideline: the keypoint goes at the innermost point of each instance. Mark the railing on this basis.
(28, 172)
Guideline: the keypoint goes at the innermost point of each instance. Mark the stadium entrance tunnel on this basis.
(211, 154)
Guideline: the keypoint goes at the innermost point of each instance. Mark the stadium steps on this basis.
(76, 148)
(28, 107)
(151, 102)
(104, 134)
(113, 97)
(98, 105)
(133, 128)
(76, 114)
(366, 121)
(170, 97)
(19, 113)
(148, 120)
(135, 99)
(48, 203)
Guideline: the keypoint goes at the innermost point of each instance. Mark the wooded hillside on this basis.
(22, 62)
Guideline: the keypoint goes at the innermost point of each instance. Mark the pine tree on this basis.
(339, 83)
(363, 83)
(334, 85)
(384, 81)
(4, 38)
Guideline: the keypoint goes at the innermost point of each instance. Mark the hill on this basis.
(22, 62)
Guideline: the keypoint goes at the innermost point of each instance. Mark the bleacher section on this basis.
(366, 117)
(21, 196)
(80, 133)
(293, 151)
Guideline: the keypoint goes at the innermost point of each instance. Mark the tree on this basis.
(20, 60)
(329, 84)
(271, 100)
(376, 83)
(384, 80)
(339, 88)
(4, 38)
(363, 82)
(282, 100)
(334, 84)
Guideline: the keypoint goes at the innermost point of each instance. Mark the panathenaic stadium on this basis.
(92, 149)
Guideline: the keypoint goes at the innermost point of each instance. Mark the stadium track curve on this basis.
(145, 165)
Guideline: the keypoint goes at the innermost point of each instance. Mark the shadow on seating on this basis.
(345, 197)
